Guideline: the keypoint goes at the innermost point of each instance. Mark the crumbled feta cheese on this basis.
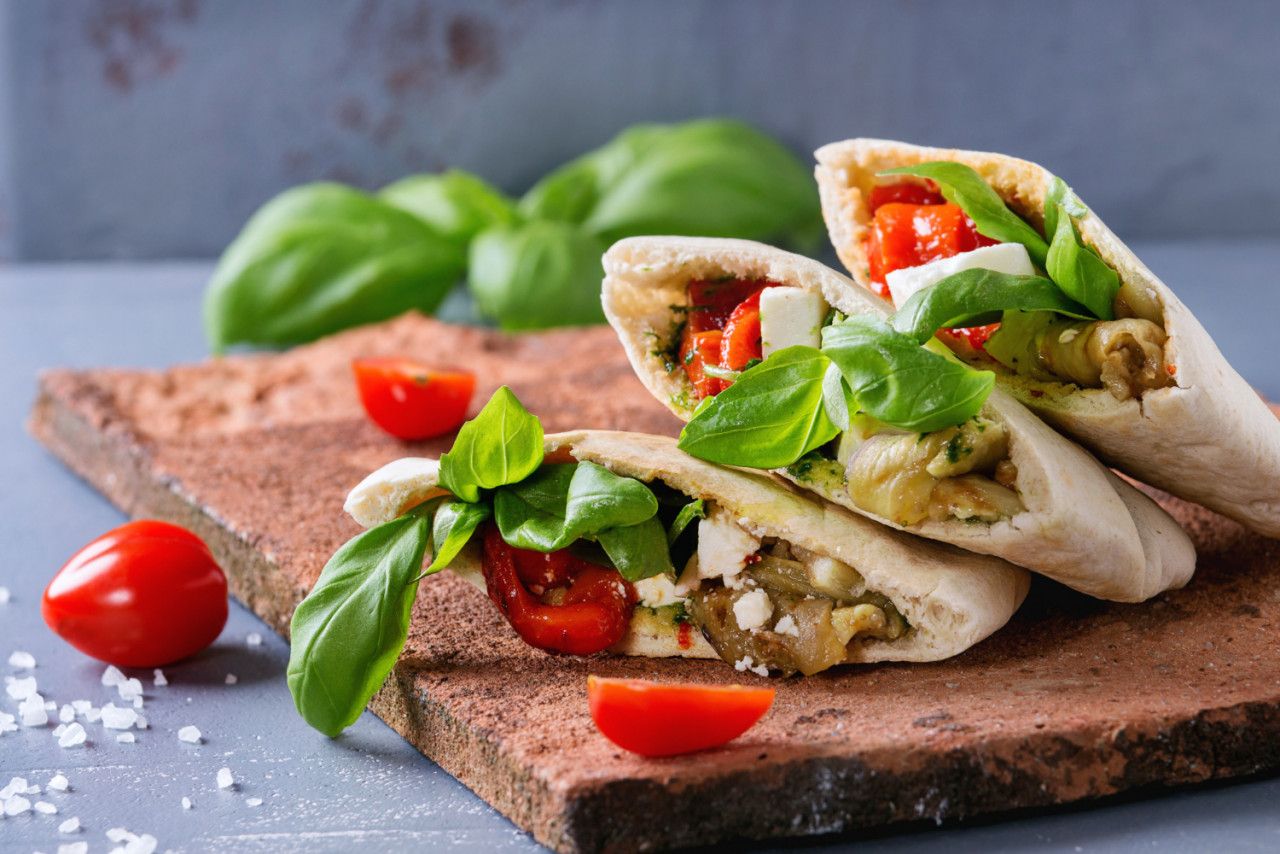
(657, 591)
(752, 610)
(790, 316)
(787, 626)
(723, 546)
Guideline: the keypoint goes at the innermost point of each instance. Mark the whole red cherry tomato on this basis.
(142, 595)
(411, 401)
(657, 719)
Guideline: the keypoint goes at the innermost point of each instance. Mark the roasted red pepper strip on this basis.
(741, 341)
(904, 235)
(911, 194)
(698, 349)
(595, 613)
(711, 303)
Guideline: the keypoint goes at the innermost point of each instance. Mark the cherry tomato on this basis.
(145, 594)
(912, 194)
(657, 719)
(593, 615)
(741, 341)
(411, 401)
(904, 235)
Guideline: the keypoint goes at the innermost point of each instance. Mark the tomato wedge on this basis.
(661, 719)
(411, 401)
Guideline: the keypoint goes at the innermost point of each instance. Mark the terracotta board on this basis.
(1074, 699)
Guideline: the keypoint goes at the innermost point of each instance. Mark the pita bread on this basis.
(1082, 526)
(1209, 438)
(950, 598)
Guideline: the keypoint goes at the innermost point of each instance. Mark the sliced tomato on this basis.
(906, 235)
(411, 401)
(967, 338)
(662, 719)
(696, 350)
(741, 341)
(911, 194)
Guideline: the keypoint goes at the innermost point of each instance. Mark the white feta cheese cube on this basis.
(752, 610)
(723, 546)
(789, 317)
(1009, 258)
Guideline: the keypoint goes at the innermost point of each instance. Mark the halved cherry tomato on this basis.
(741, 341)
(411, 401)
(593, 615)
(142, 595)
(904, 235)
(696, 350)
(660, 719)
(912, 194)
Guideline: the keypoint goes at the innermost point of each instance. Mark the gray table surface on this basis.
(370, 789)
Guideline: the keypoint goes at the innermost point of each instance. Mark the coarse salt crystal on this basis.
(46, 808)
(22, 660)
(126, 738)
(58, 783)
(20, 689)
(33, 789)
(59, 730)
(4, 595)
(33, 712)
(186, 803)
(16, 804)
(231, 679)
(81, 706)
(119, 834)
(253, 639)
(141, 723)
(93, 715)
(74, 848)
(116, 718)
(71, 825)
(137, 701)
(144, 844)
(67, 713)
(17, 785)
(112, 676)
(50, 706)
(130, 688)
(225, 780)
(189, 734)
(254, 802)
(159, 680)
(74, 735)
(7, 723)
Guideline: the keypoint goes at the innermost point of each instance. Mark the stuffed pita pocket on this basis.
(1128, 371)
(597, 540)
(941, 454)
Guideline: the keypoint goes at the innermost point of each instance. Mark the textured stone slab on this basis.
(1075, 699)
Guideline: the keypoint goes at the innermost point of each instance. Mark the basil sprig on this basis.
(501, 445)
(976, 297)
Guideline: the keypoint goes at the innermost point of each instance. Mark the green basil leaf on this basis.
(599, 499)
(897, 381)
(530, 514)
(1080, 273)
(347, 634)
(456, 204)
(977, 297)
(1058, 193)
(696, 509)
(637, 551)
(963, 186)
(537, 275)
(837, 400)
(501, 445)
(452, 527)
(769, 418)
(321, 258)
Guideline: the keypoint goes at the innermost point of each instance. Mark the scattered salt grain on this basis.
(160, 681)
(137, 701)
(254, 802)
(7, 723)
(119, 834)
(253, 639)
(32, 711)
(189, 734)
(225, 780)
(67, 713)
(74, 848)
(93, 715)
(186, 803)
(46, 808)
(33, 789)
(50, 706)
(58, 783)
(141, 723)
(144, 844)
(59, 730)
(116, 718)
(17, 785)
(20, 689)
(71, 825)
(130, 688)
(231, 679)
(4, 595)
(16, 804)
(126, 738)
(112, 676)
(22, 660)
(74, 735)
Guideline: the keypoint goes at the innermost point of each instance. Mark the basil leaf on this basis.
(347, 634)
(696, 509)
(452, 527)
(1058, 193)
(976, 297)
(537, 275)
(501, 445)
(321, 258)
(456, 204)
(530, 514)
(897, 381)
(769, 418)
(837, 400)
(570, 192)
(963, 186)
(1080, 273)
(599, 499)
(637, 551)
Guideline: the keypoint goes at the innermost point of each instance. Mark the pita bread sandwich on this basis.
(600, 540)
(1019, 277)
(778, 362)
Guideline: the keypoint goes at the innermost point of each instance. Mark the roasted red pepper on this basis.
(592, 616)
(741, 340)
(905, 235)
(911, 194)
(722, 329)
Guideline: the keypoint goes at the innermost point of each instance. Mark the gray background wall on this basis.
(153, 128)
